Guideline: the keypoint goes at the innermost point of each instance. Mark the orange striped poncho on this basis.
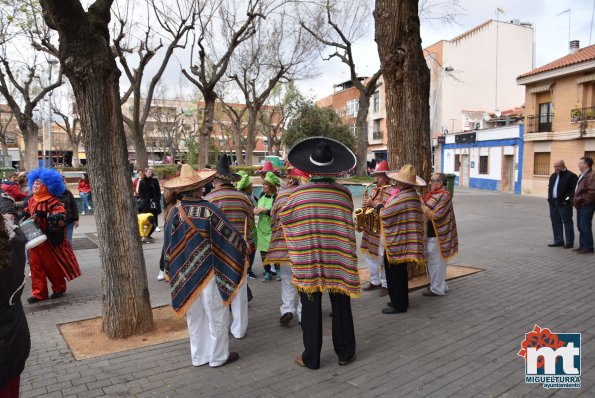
(403, 228)
(318, 224)
(442, 216)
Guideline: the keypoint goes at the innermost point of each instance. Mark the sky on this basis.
(551, 35)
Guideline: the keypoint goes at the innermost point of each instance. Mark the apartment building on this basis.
(559, 116)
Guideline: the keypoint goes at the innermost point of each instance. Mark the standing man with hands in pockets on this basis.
(560, 193)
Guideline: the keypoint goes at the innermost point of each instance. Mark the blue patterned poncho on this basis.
(199, 245)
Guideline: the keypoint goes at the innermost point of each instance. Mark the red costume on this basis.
(54, 258)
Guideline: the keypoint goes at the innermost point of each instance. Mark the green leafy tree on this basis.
(313, 121)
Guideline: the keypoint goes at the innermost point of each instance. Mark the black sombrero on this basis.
(321, 156)
(223, 170)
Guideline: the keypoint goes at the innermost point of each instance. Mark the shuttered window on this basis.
(483, 165)
(541, 163)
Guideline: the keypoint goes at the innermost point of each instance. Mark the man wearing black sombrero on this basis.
(204, 258)
(237, 207)
(320, 235)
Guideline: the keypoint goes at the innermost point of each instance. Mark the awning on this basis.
(540, 89)
(82, 156)
(585, 79)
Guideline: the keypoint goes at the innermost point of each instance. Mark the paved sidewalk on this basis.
(461, 345)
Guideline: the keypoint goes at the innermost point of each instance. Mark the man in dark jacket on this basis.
(584, 201)
(560, 193)
(149, 193)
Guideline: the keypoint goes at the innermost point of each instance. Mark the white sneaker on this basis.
(157, 229)
(161, 276)
(83, 213)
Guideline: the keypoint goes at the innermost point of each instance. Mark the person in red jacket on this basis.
(85, 193)
(13, 188)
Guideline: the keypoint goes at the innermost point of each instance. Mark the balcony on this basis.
(582, 114)
(539, 123)
(377, 135)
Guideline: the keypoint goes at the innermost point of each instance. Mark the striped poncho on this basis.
(237, 207)
(277, 253)
(200, 244)
(442, 217)
(371, 240)
(318, 225)
(403, 228)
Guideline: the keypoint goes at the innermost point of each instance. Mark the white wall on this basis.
(472, 84)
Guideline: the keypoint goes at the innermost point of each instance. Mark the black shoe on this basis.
(33, 300)
(233, 356)
(286, 318)
(57, 295)
(568, 246)
(347, 362)
(555, 245)
(392, 310)
(390, 304)
(252, 275)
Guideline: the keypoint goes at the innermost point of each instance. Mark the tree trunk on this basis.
(407, 86)
(237, 142)
(5, 162)
(361, 124)
(206, 130)
(89, 64)
(76, 162)
(138, 140)
(250, 136)
(30, 133)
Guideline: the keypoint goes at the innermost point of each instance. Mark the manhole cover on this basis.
(83, 244)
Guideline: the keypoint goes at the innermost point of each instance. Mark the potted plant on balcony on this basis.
(575, 114)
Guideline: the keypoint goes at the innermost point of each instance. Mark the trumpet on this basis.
(366, 219)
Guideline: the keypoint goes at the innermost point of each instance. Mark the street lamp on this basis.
(51, 62)
(438, 92)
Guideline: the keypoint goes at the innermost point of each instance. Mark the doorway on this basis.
(507, 180)
(464, 171)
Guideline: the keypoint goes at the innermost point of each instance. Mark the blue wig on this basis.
(51, 179)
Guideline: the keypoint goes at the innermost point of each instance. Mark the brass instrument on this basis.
(366, 219)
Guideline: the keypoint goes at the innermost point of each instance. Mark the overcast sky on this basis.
(551, 35)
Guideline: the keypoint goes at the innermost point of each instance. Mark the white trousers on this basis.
(376, 266)
(239, 312)
(208, 325)
(288, 291)
(436, 268)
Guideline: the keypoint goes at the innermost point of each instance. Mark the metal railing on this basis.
(377, 135)
(580, 114)
(541, 123)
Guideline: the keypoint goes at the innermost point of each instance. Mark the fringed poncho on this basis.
(442, 217)
(200, 243)
(277, 253)
(403, 228)
(318, 224)
(237, 207)
(370, 240)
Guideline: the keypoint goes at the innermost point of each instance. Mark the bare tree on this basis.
(219, 32)
(236, 126)
(169, 125)
(89, 64)
(175, 22)
(71, 126)
(343, 24)
(279, 51)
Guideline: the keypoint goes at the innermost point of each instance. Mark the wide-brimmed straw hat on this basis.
(189, 180)
(381, 167)
(321, 156)
(407, 176)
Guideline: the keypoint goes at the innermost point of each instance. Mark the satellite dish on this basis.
(486, 116)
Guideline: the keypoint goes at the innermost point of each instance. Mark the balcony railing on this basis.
(539, 123)
(581, 114)
(377, 135)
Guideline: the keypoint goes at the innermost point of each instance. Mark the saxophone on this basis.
(366, 219)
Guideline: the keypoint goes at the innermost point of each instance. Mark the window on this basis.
(353, 129)
(483, 165)
(352, 107)
(457, 162)
(377, 101)
(376, 132)
(541, 163)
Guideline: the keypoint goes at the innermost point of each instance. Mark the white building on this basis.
(473, 76)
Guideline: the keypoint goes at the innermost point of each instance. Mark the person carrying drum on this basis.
(54, 258)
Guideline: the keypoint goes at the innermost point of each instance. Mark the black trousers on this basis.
(397, 283)
(343, 330)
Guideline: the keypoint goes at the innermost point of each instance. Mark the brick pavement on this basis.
(462, 345)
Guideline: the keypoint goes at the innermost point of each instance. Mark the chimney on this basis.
(574, 46)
